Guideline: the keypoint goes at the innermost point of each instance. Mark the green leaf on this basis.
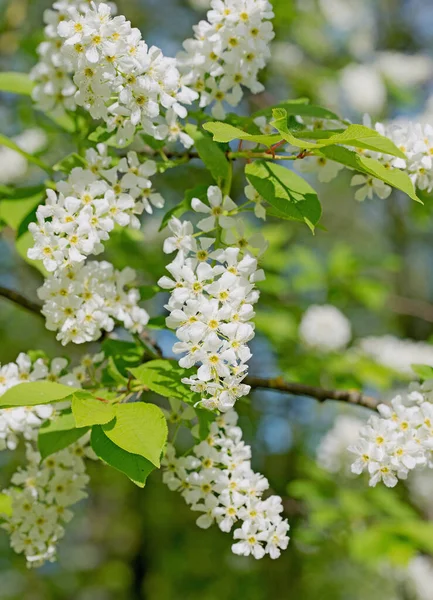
(157, 322)
(355, 135)
(124, 354)
(223, 132)
(58, 434)
(164, 378)
(88, 411)
(211, 154)
(70, 162)
(205, 419)
(200, 192)
(139, 428)
(16, 83)
(34, 393)
(5, 141)
(423, 371)
(148, 291)
(14, 210)
(369, 166)
(136, 467)
(5, 505)
(115, 373)
(290, 195)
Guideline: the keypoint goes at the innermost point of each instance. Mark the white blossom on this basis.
(325, 328)
(217, 480)
(228, 51)
(397, 354)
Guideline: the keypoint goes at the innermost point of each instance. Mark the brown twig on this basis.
(21, 300)
(320, 394)
(411, 307)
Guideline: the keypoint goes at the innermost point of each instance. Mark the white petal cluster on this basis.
(325, 328)
(211, 304)
(119, 78)
(227, 52)
(416, 141)
(397, 354)
(25, 421)
(332, 450)
(54, 89)
(217, 480)
(74, 222)
(41, 495)
(81, 301)
(399, 440)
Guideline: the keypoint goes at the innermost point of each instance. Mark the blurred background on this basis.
(371, 260)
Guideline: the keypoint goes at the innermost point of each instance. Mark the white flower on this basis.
(325, 328)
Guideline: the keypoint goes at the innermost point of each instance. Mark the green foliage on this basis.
(34, 393)
(423, 371)
(164, 378)
(88, 410)
(136, 467)
(180, 209)
(139, 428)
(290, 196)
(5, 141)
(59, 433)
(5, 505)
(369, 166)
(16, 83)
(211, 154)
(300, 108)
(124, 354)
(223, 132)
(69, 162)
(19, 204)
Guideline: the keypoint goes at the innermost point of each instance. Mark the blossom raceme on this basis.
(80, 302)
(41, 496)
(41, 493)
(399, 440)
(119, 78)
(228, 51)
(76, 220)
(217, 480)
(211, 304)
(396, 353)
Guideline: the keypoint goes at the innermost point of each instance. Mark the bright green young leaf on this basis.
(124, 354)
(164, 378)
(423, 371)
(88, 411)
(136, 467)
(5, 141)
(393, 177)
(5, 505)
(13, 211)
(58, 434)
(16, 83)
(34, 393)
(211, 154)
(115, 373)
(290, 196)
(223, 132)
(355, 135)
(22, 245)
(139, 428)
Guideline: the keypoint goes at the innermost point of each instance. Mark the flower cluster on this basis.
(325, 328)
(25, 421)
(399, 440)
(40, 498)
(228, 51)
(80, 302)
(119, 79)
(397, 354)
(73, 223)
(54, 89)
(218, 481)
(211, 303)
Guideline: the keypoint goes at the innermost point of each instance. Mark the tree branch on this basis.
(411, 307)
(21, 300)
(298, 389)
